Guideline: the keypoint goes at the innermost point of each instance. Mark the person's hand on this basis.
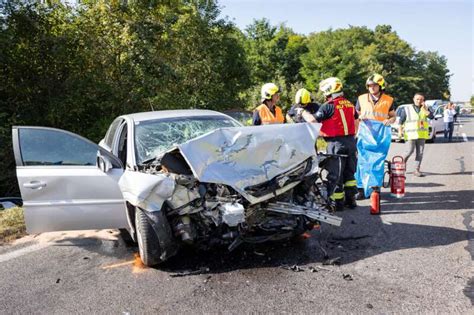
(387, 122)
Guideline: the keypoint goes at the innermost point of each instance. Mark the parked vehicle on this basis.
(171, 178)
(242, 116)
(436, 125)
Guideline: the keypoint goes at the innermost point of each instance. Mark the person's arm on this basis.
(324, 112)
(256, 121)
(357, 106)
(308, 117)
(403, 118)
(391, 116)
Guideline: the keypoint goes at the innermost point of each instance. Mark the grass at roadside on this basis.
(12, 224)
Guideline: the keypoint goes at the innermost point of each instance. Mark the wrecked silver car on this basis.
(171, 178)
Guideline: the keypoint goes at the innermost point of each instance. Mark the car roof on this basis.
(136, 117)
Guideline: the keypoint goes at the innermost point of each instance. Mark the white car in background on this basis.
(436, 124)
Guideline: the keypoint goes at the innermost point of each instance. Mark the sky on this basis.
(445, 26)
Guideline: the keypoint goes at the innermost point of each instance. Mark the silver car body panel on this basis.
(146, 191)
(72, 198)
(245, 156)
(68, 197)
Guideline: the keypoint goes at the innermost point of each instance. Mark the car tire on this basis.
(148, 242)
(433, 139)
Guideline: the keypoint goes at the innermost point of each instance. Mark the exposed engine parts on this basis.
(206, 214)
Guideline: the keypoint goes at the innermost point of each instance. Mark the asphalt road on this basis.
(415, 257)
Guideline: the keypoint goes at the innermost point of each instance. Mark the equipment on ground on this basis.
(397, 177)
(375, 200)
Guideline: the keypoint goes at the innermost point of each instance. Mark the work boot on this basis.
(350, 201)
(360, 194)
(337, 205)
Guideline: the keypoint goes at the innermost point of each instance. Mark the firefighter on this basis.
(304, 109)
(375, 105)
(268, 112)
(338, 116)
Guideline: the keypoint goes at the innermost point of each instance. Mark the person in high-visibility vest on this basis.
(415, 128)
(268, 112)
(375, 105)
(303, 109)
(338, 116)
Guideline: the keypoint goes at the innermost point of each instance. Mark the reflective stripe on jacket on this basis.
(342, 122)
(416, 125)
(267, 117)
(378, 111)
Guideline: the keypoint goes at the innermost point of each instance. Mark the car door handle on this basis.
(34, 184)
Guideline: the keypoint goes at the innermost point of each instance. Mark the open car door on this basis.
(67, 182)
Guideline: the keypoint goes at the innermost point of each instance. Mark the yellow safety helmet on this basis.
(376, 79)
(268, 90)
(302, 97)
(330, 86)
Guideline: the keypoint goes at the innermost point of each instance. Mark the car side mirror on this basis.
(104, 164)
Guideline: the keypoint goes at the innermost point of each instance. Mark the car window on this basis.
(154, 137)
(55, 147)
(109, 137)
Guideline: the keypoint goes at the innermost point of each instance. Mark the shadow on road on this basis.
(423, 185)
(361, 236)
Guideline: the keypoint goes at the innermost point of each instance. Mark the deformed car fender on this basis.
(146, 191)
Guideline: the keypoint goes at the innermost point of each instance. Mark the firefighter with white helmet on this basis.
(304, 109)
(268, 112)
(338, 116)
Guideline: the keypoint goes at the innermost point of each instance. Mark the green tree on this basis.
(77, 68)
(273, 54)
(434, 70)
(354, 53)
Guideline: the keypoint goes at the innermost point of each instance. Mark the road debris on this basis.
(369, 306)
(190, 272)
(294, 268)
(208, 278)
(258, 253)
(347, 277)
(332, 261)
(58, 280)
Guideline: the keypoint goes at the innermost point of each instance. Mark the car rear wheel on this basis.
(148, 243)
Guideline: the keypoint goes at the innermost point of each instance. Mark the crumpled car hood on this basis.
(245, 156)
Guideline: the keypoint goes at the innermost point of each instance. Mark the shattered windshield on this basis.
(154, 137)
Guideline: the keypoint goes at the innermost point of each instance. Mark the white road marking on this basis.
(20, 252)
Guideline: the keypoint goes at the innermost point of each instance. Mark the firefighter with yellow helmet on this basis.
(304, 109)
(268, 112)
(375, 105)
(338, 116)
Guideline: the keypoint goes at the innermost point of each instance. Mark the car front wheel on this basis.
(433, 138)
(148, 243)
